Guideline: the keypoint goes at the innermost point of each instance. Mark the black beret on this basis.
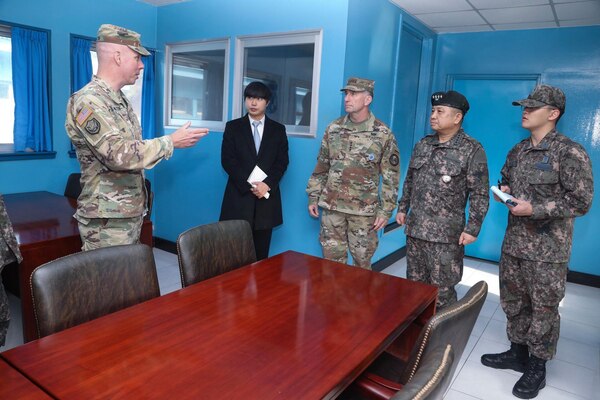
(451, 99)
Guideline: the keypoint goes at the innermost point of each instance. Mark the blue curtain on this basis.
(31, 90)
(148, 98)
(81, 63)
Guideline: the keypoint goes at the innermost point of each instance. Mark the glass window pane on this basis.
(197, 83)
(7, 102)
(288, 71)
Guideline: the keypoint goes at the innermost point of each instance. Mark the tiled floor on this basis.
(573, 374)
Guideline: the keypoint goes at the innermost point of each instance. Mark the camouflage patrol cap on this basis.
(360, 85)
(452, 99)
(544, 95)
(115, 34)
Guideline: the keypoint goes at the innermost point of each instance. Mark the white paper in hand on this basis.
(258, 175)
(504, 197)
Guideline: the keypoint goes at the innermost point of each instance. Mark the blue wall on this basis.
(63, 17)
(568, 58)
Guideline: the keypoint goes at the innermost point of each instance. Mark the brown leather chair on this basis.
(73, 190)
(87, 285)
(432, 378)
(210, 250)
(452, 325)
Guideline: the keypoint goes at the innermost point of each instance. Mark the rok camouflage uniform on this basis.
(9, 252)
(107, 137)
(440, 179)
(345, 184)
(556, 178)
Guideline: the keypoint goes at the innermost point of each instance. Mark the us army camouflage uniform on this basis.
(441, 178)
(345, 184)
(112, 155)
(9, 253)
(556, 178)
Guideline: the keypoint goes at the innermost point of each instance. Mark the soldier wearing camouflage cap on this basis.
(550, 177)
(357, 149)
(446, 169)
(107, 137)
(9, 253)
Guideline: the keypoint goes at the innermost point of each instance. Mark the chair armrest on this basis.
(376, 387)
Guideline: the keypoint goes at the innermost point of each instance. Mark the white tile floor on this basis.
(573, 374)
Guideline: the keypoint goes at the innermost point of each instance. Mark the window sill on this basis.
(22, 155)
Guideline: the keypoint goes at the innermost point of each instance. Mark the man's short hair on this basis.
(258, 90)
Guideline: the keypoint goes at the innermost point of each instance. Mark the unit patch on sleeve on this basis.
(92, 126)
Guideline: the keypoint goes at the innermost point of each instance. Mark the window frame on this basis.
(196, 45)
(311, 36)
(7, 151)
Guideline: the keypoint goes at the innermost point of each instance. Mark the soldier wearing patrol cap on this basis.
(107, 137)
(550, 177)
(446, 169)
(357, 149)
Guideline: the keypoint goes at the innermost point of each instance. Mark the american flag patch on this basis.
(83, 115)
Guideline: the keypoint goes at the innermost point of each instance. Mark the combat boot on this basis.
(516, 358)
(533, 380)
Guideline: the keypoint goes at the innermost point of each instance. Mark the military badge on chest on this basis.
(92, 126)
(446, 178)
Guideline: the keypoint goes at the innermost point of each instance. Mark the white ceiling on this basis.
(495, 15)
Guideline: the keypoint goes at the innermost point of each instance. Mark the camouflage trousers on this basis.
(104, 232)
(439, 264)
(341, 232)
(530, 292)
(4, 312)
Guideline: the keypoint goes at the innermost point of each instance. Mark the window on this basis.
(196, 83)
(25, 111)
(288, 63)
(7, 101)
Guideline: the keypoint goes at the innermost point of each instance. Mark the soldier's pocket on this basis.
(448, 174)
(544, 183)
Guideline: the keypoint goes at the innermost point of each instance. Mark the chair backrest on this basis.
(87, 285)
(432, 378)
(452, 325)
(210, 250)
(73, 189)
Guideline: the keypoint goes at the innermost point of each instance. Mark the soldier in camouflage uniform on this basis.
(550, 177)
(107, 137)
(9, 252)
(356, 150)
(446, 169)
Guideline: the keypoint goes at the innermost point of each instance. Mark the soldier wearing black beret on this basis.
(446, 169)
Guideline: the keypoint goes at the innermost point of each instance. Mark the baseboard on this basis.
(389, 259)
(165, 245)
(582, 278)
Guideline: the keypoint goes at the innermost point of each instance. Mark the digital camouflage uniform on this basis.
(441, 178)
(345, 184)
(556, 178)
(108, 140)
(9, 252)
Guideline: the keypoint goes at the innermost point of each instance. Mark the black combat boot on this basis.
(516, 358)
(533, 380)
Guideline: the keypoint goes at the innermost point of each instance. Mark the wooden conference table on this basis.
(13, 385)
(289, 327)
(46, 230)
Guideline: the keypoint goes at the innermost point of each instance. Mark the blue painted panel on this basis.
(496, 123)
